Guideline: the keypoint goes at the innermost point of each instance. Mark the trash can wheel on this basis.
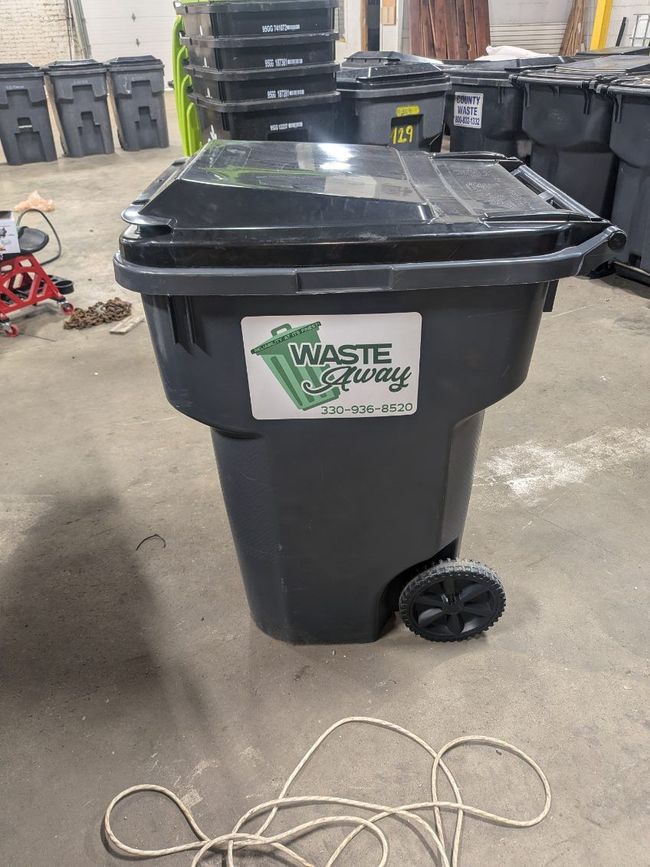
(452, 601)
(9, 329)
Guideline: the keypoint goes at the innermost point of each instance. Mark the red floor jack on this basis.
(23, 281)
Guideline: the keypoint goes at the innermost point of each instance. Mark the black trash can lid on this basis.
(138, 60)
(245, 205)
(631, 85)
(74, 67)
(500, 71)
(595, 69)
(388, 69)
(20, 70)
(614, 49)
(241, 6)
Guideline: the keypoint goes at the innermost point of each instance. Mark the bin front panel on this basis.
(25, 128)
(631, 211)
(326, 512)
(483, 118)
(570, 118)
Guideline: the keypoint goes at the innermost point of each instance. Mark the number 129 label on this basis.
(401, 135)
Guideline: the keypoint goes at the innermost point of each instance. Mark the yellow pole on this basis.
(601, 24)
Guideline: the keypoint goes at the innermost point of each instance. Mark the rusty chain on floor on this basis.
(103, 311)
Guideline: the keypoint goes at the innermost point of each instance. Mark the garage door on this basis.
(127, 27)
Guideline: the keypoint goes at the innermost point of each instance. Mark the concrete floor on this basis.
(125, 662)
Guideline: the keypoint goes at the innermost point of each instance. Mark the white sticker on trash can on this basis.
(468, 109)
(333, 366)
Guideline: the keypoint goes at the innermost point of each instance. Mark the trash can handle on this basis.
(281, 329)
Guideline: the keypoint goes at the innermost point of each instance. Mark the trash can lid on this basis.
(631, 84)
(388, 69)
(138, 60)
(500, 71)
(614, 49)
(236, 6)
(74, 67)
(20, 70)
(595, 69)
(244, 205)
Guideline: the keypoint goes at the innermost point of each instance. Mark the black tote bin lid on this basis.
(301, 71)
(631, 85)
(614, 49)
(388, 69)
(499, 72)
(141, 60)
(20, 70)
(284, 217)
(235, 7)
(74, 67)
(583, 72)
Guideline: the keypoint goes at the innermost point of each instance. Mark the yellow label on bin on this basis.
(407, 110)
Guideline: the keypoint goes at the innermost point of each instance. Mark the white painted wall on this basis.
(129, 27)
(621, 9)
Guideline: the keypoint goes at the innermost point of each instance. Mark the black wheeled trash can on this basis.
(392, 98)
(568, 117)
(341, 316)
(137, 87)
(25, 128)
(79, 92)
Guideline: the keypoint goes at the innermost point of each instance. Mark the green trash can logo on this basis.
(296, 380)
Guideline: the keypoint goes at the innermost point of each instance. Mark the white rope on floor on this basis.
(237, 840)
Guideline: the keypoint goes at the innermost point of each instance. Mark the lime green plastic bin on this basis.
(188, 120)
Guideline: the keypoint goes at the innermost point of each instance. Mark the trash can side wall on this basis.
(371, 121)
(630, 141)
(569, 127)
(631, 211)
(500, 130)
(415, 497)
(25, 128)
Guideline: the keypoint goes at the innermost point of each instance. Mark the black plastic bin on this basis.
(307, 118)
(79, 92)
(257, 17)
(137, 86)
(630, 142)
(25, 128)
(269, 84)
(269, 52)
(484, 109)
(567, 115)
(340, 316)
(392, 98)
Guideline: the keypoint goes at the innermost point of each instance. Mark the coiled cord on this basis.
(237, 839)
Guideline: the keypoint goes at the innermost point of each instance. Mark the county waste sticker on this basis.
(333, 366)
(468, 109)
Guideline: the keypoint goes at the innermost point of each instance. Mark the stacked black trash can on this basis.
(263, 69)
